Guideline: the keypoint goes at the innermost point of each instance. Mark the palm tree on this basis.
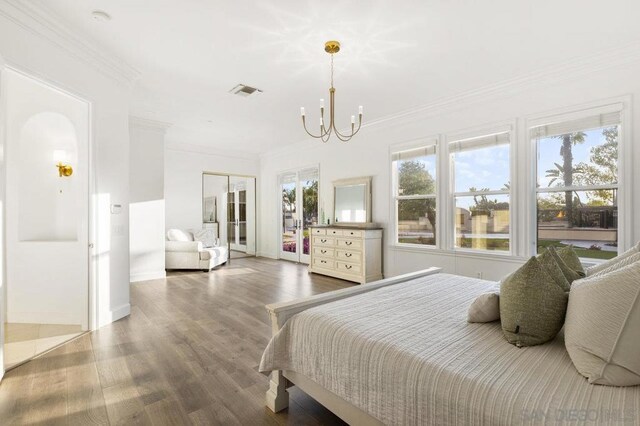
(566, 171)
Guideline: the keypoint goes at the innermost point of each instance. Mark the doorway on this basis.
(298, 211)
(229, 209)
(47, 217)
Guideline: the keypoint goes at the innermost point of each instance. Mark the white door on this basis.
(298, 211)
(241, 213)
(237, 214)
(46, 211)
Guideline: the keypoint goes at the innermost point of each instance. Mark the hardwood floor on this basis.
(187, 354)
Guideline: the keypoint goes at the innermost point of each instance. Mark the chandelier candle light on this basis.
(332, 47)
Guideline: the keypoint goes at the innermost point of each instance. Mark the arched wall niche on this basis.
(48, 204)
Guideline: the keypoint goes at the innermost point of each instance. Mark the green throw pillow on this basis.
(570, 274)
(550, 264)
(532, 305)
(570, 257)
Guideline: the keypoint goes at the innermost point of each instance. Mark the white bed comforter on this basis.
(406, 355)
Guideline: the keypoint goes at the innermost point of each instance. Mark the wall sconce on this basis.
(60, 157)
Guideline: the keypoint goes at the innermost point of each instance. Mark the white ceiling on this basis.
(395, 55)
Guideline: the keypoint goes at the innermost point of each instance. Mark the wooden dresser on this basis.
(352, 254)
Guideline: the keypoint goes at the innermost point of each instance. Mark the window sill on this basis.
(506, 257)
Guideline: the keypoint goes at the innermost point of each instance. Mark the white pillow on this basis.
(485, 308)
(604, 265)
(602, 327)
(621, 263)
(207, 237)
(179, 235)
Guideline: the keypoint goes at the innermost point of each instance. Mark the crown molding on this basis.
(44, 23)
(145, 123)
(569, 70)
(210, 150)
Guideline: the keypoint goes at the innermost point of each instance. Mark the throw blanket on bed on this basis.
(406, 355)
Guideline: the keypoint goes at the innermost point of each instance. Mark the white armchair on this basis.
(183, 251)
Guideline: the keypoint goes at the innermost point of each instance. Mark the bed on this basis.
(400, 352)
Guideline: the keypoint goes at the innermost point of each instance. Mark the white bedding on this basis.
(406, 355)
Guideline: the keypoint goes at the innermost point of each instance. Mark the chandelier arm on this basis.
(343, 138)
(304, 124)
(323, 133)
(353, 133)
(328, 136)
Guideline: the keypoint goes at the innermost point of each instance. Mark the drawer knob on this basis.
(348, 243)
(348, 254)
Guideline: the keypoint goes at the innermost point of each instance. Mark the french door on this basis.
(298, 211)
(237, 214)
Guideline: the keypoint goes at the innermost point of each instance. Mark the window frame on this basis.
(508, 128)
(433, 141)
(624, 186)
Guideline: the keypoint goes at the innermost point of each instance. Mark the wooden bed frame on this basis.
(277, 395)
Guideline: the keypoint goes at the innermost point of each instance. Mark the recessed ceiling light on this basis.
(100, 16)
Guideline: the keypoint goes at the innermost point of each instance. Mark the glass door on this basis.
(299, 210)
(241, 216)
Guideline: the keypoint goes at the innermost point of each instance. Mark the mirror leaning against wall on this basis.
(229, 211)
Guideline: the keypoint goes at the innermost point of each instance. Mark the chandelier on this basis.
(332, 47)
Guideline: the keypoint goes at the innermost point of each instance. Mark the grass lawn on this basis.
(582, 252)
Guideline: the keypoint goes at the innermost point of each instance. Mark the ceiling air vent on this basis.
(244, 91)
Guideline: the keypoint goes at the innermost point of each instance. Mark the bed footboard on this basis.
(277, 395)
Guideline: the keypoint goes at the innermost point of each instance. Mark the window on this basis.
(480, 169)
(414, 176)
(577, 185)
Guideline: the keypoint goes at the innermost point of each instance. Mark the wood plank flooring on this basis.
(187, 354)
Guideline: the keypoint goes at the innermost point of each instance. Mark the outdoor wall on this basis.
(147, 207)
(586, 81)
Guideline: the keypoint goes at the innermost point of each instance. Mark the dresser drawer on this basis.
(349, 243)
(352, 233)
(349, 256)
(324, 252)
(323, 241)
(318, 231)
(335, 232)
(350, 268)
(324, 263)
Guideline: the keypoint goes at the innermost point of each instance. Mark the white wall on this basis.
(3, 251)
(46, 215)
(183, 180)
(41, 48)
(146, 204)
(368, 153)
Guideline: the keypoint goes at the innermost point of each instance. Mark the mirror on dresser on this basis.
(352, 201)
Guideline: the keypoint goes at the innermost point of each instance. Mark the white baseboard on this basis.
(146, 276)
(43, 318)
(267, 255)
(114, 314)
